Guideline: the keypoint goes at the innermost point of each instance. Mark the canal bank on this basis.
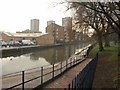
(18, 51)
(24, 49)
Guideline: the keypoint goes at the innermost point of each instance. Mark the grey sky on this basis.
(15, 15)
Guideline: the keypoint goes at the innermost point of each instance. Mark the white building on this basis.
(34, 25)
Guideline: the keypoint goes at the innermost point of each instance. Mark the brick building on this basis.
(38, 38)
(57, 31)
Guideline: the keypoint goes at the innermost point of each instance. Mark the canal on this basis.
(15, 62)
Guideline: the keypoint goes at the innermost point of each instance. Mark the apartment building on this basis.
(57, 31)
(34, 26)
(68, 32)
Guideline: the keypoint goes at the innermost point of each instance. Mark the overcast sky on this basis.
(15, 15)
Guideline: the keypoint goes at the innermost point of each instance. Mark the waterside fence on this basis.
(38, 76)
(85, 78)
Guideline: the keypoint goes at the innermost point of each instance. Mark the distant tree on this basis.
(87, 17)
(110, 11)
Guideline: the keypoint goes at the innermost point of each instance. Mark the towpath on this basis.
(63, 81)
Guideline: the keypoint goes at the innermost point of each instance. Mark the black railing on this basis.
(53, 70)
(84, 79)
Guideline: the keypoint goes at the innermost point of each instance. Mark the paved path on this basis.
(67, 77)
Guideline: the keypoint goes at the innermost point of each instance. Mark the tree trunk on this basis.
(106, 39)
(100, 42)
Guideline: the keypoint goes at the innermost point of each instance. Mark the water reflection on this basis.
(38, 58)
(15, 64)
(54, 55)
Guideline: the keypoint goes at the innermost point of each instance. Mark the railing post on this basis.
(61, 67)
(74, 61)
(65, 88)
(41, 75)
(68, 86)
(53, 70)
(75, 83)
(72, 85)
(22, 80)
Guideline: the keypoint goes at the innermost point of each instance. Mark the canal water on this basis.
(12, 64)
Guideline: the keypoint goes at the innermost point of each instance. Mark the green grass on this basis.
(94, 51)
(112, 50)
(110, 55)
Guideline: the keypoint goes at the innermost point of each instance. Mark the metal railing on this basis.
(45, 74)
(85, 78)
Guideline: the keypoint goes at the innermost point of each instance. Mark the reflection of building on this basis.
(57, 31)
(34, 25)
(53, 55)
(66, 52)
(68, 33)
(34, 57)
(39, 38)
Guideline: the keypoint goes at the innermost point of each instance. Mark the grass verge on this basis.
(107, 71)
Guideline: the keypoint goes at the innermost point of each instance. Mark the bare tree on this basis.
(87, 17)
(111, 10)
(107, 14)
